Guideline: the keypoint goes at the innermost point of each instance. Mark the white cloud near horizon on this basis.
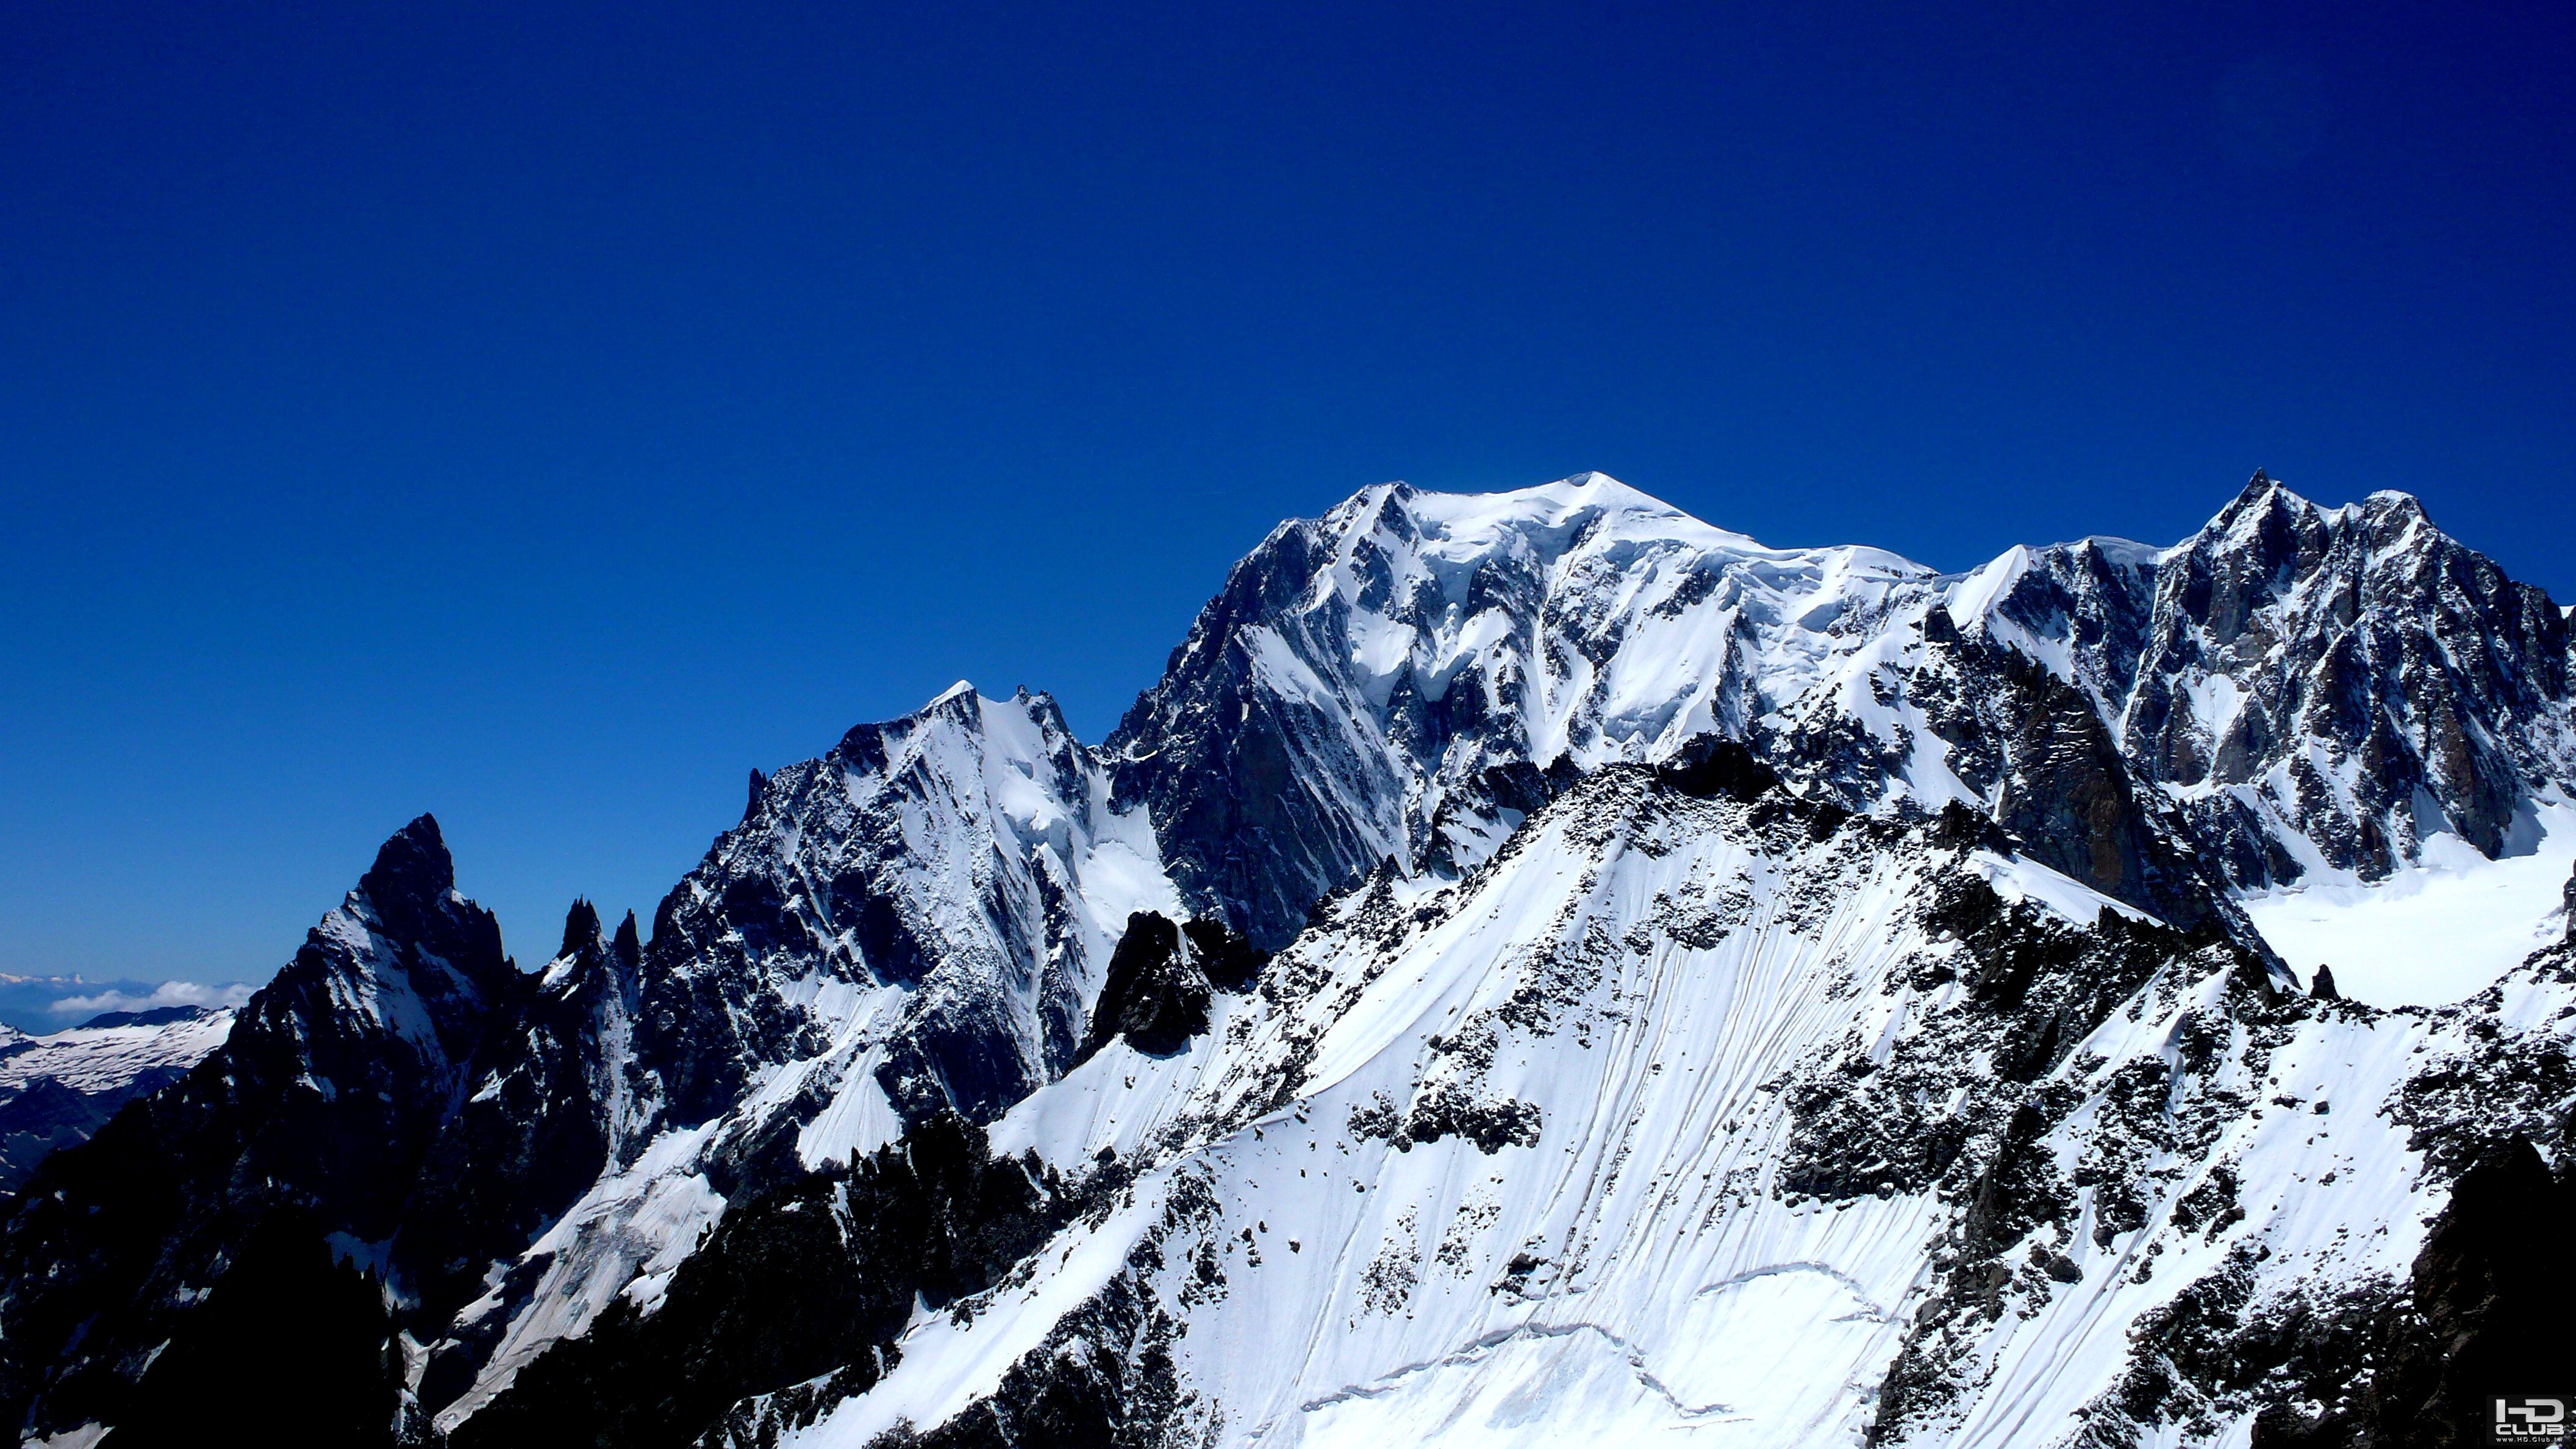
(168, 993)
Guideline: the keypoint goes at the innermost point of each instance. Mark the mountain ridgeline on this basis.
(1535, 965)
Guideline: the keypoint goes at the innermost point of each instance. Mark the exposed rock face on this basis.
(2037, 747)
(2086, 608)
(2378, 666)
(288, 1340)
(363, 1040)
(813, 1281)
(2569, 897)
(1156, 995)
(2490, 1304)
(1260, 851)
(44, 1115)
(1160, 982)
(2314, 686)
(1226, 959)
(2486, 1313)
(948, 855)
(550, 1109)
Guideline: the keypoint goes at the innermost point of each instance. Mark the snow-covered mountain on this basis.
(2323, 689)
(913, 924)
(1708, 1121)
(43, 1005)
(60, 1087)
(1395, 678)
(1720, 992)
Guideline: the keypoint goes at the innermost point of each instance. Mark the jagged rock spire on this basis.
(412, 874)
(581, 927)
(313, 1118)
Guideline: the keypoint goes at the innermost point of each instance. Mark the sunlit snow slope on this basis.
(2435, 931)
(1683, 1120)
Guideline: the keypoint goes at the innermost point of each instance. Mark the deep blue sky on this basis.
(542, 415)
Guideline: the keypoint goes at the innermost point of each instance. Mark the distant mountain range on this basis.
(41, 1004)
(1536, 968)
(60, 1087)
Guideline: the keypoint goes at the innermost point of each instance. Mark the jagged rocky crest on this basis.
(2316, 687)
(1526, 951)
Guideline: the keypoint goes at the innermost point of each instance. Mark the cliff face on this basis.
(2356, 676)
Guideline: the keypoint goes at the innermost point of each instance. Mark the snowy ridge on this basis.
(1370, 680)
(1650, 628)
(967, 854)
(1406, 644)
(1622, 1099)
(95, 1059)
(2080, 608)
(917, 921)
(1554, 1153)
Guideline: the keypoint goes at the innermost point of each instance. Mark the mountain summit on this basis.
(1382, 681)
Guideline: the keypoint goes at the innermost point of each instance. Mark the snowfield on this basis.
(2439, 930)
